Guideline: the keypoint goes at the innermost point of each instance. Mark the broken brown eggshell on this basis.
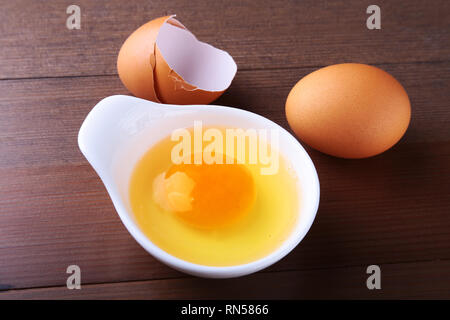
(163, 62)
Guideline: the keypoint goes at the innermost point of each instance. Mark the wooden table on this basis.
(391, 210)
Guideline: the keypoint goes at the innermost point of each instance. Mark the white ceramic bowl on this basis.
(120, 129)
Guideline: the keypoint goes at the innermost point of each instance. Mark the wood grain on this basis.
(420, 280)
(35, 42)
(390, 210)
(56, 212)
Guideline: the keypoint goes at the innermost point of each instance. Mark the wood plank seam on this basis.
(239, 70)
(183, 276)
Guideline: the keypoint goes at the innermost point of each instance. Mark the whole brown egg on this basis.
(349, 110)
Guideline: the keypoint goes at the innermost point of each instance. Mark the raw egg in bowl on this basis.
(194, 201)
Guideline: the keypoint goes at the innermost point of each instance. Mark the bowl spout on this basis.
(108, 126)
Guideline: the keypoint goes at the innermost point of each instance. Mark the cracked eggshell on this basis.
(162, 61)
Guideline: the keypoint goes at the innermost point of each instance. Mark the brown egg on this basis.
(349, 110)
(162, 61)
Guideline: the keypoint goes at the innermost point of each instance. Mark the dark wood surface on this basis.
(391, 210)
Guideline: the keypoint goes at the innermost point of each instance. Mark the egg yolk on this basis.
(205, 195)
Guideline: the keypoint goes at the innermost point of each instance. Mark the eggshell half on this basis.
(136, 60)
(162, 61)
